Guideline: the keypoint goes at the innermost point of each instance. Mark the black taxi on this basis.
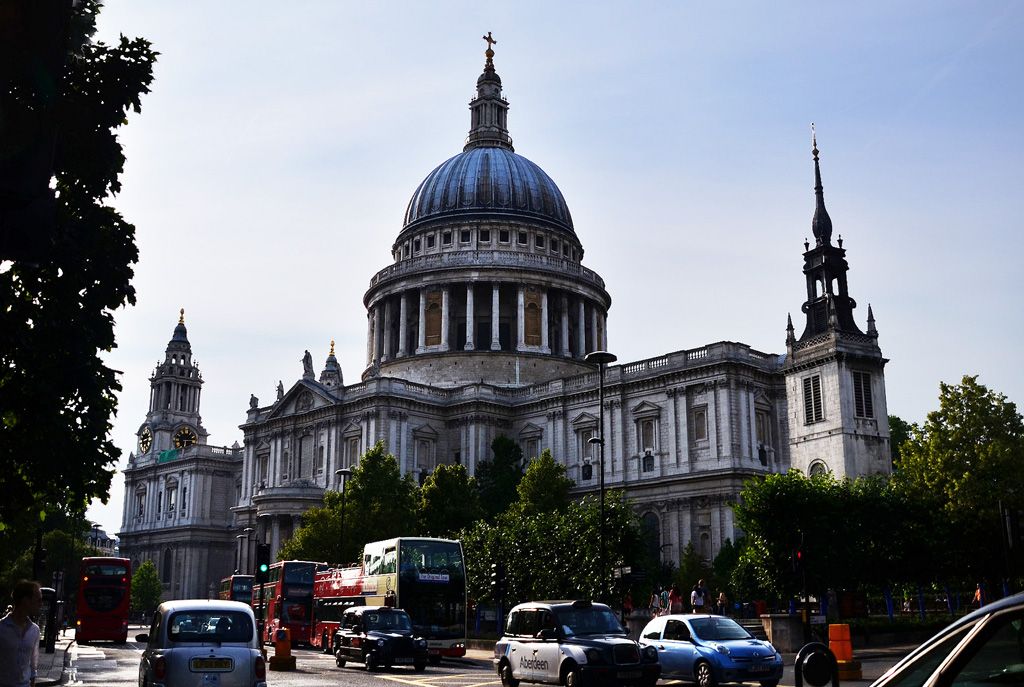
(378, 637)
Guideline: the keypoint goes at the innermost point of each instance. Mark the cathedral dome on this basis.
(490, 181)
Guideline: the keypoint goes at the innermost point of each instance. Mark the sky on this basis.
(269, 170)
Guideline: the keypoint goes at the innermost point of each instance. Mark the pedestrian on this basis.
(19, 636)
(664, 601)
(722, 605)
(698, 597)
(655, 603)
(627, 606)
(675, 600)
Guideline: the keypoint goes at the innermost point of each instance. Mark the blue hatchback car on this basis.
(711, 650)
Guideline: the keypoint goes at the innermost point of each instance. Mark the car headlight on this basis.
(595, 655)
(380, 643)
(651, 653)
(722, 649)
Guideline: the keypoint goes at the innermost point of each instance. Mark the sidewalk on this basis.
(51, 666)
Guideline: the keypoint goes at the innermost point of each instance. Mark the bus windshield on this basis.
(242, 587)
(432, 587)
(104, 569)
(299, 574)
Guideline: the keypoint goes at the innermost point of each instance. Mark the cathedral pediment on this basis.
(584, 420)
(304, 396)
(530, 430)
(645, 409)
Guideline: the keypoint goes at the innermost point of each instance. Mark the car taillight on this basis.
(261, 669)
(159, 668)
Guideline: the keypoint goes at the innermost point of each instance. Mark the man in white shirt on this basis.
(698, 597)
(19, 637)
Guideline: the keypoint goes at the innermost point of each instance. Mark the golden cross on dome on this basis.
(490, 41)
(332, 347)
(181, 316)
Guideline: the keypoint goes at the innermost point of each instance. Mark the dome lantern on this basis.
(489, 110)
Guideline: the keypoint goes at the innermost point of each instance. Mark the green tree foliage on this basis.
(544, 488)
(64, 548)
(499, 477)
(379, 504)
(554, 555)
(57, 315)
(899, 431)
(449, 501)
(963, 463)
(146, 589)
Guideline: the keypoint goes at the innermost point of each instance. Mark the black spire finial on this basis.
(872, 331)
(821, 225)
(488, 110)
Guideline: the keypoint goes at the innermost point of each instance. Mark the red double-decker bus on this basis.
(287, 599)
(236, 588)
(104, 596)
(423, 575)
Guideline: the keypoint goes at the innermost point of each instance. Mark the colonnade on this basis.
(435, 311)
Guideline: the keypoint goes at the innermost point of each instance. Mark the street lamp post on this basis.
(246, 535)
(601, 359)
(343, 474)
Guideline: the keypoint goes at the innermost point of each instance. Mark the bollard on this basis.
(840, 644)
(282, 658)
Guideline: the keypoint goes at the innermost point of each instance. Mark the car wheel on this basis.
(769, 683)
(371, 662)
(506, 676)
(571, 675)
(703, 675)
(419, 666)
(435, 660)
(339, 657)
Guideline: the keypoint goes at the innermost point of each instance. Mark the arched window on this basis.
(432, 332)
(817, 468)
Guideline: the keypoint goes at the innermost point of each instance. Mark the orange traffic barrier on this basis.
(282, 658)
(839, 642)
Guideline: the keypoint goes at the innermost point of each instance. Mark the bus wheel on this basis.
(325, 646)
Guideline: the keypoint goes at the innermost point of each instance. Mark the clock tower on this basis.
(173, 420)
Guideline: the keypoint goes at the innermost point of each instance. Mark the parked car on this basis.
(205, 642)
(984, 647)
(571, 643)
(378, 637)
(711, 650)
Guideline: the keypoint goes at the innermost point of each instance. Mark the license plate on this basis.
(629, 674)
(403, 659)
(197, 665)
(762, 668)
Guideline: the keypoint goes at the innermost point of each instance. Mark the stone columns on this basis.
(581, 337)
(445, 312)
(495, 316)
(275, 536)
(595, 335)
(386, 334)
(369, 337)
(421, 345)
(520, 318)
(544, 322)
(403, 327)
(376, 334)
(470, 320)
(565, 327)
(604, 331)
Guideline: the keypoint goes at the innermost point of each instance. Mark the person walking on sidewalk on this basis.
(19, 637)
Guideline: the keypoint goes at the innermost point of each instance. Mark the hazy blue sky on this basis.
(269, 171)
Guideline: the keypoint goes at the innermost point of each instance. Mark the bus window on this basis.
(390, 561)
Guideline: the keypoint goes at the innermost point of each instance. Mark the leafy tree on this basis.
(899, 431)
(965, 460)
(57, 315)
(544, 488)
(499, 477)
(379, 504)
(691, 569)
(146, 589)
(449, 501)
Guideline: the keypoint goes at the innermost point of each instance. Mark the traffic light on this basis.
(262, 562)
(498, 580)
(798, 560)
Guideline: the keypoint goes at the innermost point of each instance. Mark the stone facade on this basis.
(480, 327)
(178, 489)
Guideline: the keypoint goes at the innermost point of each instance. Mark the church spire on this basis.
(489, 110)
(821, 225)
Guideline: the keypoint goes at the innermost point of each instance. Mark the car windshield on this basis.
(209, 626)
(387, 622)
(718, 629)
(589, 621)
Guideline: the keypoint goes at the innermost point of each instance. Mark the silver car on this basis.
(200, 643)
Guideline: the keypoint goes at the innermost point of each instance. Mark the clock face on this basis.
(184, 438)
(145, 440)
